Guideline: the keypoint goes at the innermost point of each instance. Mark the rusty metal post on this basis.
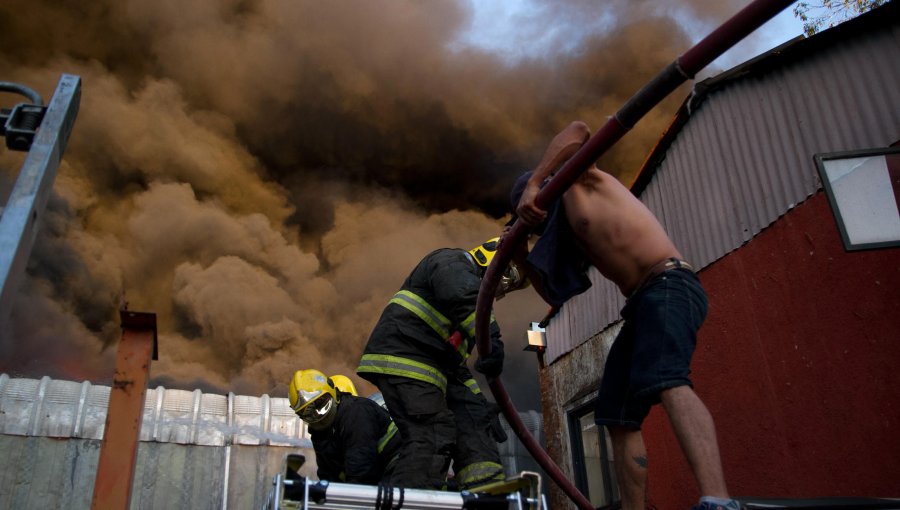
(118, 452)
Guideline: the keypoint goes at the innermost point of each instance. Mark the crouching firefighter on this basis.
(354, 438)
(417, 354)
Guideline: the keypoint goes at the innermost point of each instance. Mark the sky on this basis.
(263, 174)
(496, 26)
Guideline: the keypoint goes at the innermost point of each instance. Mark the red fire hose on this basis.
(683, 68)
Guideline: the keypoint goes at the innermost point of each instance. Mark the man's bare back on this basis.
(620, 236)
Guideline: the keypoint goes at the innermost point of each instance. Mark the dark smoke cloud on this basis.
(262, 174)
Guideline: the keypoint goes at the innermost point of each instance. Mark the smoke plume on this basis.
(263, 174)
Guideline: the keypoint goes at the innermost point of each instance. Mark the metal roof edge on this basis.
(788, 52)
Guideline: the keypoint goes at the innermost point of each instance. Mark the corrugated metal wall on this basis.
(745, 157)
(43, 472)
(197, 450)
(55, 408)
(513, 454)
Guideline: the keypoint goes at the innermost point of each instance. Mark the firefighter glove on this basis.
(492, 364)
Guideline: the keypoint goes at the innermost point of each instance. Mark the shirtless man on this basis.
(649, 361)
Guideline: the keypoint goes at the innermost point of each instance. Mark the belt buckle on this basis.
(677, 264)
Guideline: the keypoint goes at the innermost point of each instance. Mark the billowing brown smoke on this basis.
(262, 174)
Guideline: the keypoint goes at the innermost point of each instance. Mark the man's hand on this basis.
(527, 211)
(563, 146)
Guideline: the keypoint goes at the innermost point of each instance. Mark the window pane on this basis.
(591, 435)
(610, 466)
(862, 189)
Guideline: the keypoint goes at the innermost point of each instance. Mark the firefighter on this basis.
(354, 438)
(417, 354)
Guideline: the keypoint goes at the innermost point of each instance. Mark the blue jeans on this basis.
(653, 350)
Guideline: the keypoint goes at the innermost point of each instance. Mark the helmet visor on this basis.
(316, 410)
(512, 279)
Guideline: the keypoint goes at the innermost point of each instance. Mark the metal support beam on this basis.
(25, 207)
(118, 452)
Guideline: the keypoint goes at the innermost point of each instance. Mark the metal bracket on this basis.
(20, 125)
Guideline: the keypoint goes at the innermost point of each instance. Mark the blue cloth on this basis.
(556, 256)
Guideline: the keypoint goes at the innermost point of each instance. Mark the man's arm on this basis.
(520, 259)
(327, 467)
(455, 284)
(563, 146)
(360, 435)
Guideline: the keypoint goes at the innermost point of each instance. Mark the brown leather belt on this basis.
(660, 268)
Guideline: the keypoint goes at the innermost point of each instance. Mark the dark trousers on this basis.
(437, 428)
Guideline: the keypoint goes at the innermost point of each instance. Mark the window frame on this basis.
(821, 163)
(579, 465)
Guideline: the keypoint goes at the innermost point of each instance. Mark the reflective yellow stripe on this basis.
(473, 386)
(438, 322)
(463, 349)
(391, 431)
(469, 324)
(480, 472)
(424, 311)
(386, 364)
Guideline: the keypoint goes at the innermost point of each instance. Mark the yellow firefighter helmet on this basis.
(484, 252)
(512, 279)
(343, 383)
(313, 398)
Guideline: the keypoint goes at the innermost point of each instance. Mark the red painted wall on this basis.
(798, 363)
